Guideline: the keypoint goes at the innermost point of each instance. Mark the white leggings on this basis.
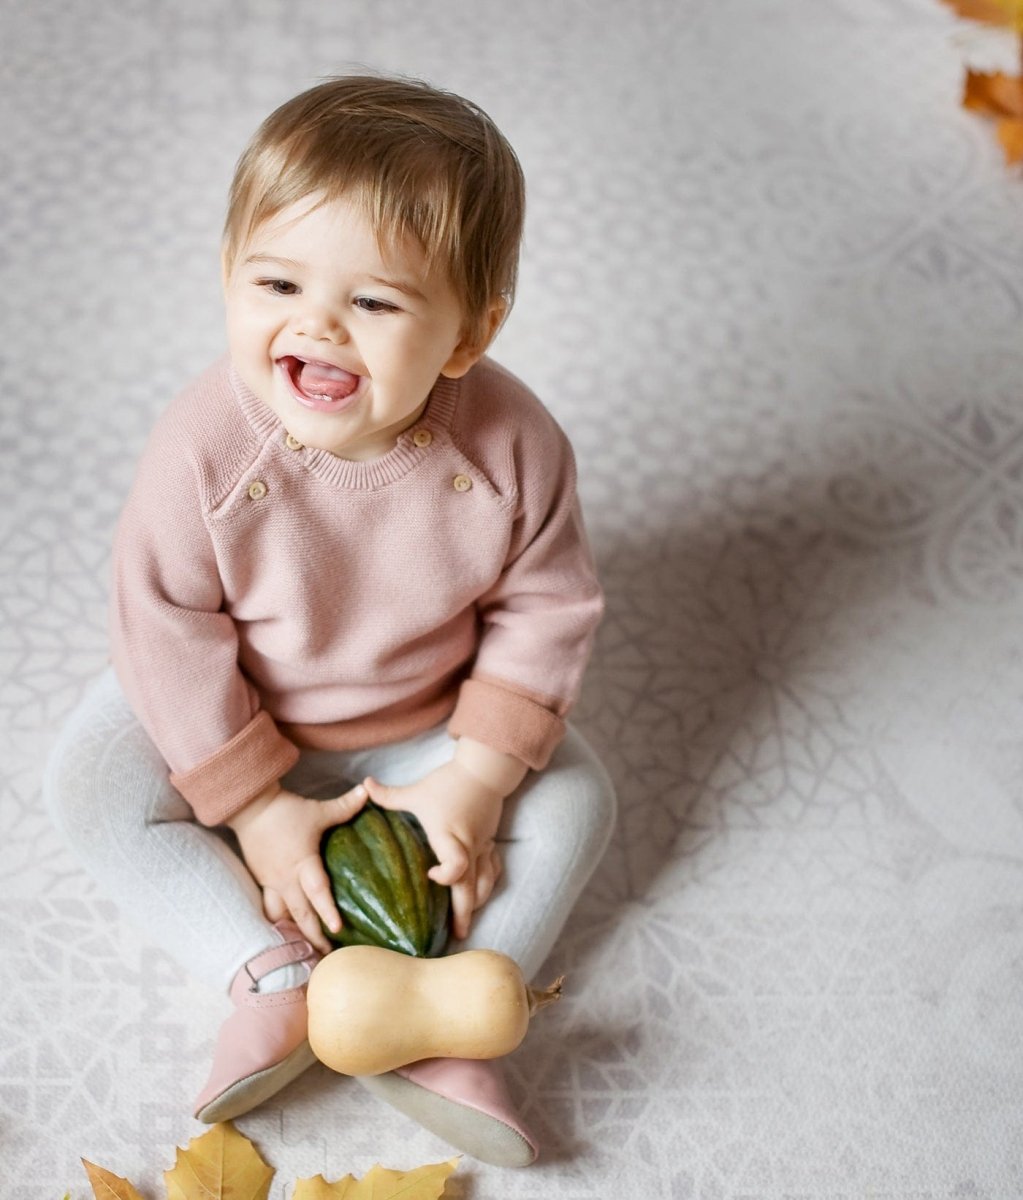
(188, 890)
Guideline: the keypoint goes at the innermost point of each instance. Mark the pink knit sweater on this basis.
(267, 596)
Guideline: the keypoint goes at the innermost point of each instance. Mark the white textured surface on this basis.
(773, 287)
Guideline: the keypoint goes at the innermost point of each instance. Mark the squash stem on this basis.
(540, 998)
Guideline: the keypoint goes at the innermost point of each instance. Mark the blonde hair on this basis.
(421, 161)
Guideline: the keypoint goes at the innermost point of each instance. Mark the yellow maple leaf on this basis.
(991, 12)
(106, 1186)
(997, 95)
(1010, 135)
(380, 1183)
(219, 1165)
(222, 1164)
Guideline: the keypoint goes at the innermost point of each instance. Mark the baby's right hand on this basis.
(279, 833)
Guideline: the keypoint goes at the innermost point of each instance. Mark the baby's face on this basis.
(342, 340)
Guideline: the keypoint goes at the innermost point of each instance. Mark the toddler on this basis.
(352, 551)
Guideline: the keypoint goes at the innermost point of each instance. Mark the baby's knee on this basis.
(103, 777)
(583, 794)
(68, 783)
(597, 806)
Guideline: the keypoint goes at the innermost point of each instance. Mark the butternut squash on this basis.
(373, 1009)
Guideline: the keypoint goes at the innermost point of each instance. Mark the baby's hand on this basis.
(460, 816)
(279, 833)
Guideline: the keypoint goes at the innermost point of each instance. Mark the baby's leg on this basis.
(107, 789)
(553, 833)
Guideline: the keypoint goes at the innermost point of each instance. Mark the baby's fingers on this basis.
(488, 871)
(342, 808)
(315, 885)
(463, 902)
(305, 918)
(273, 905)
(380, 793)
(452, 859)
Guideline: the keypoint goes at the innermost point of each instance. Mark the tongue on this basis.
(318, 379)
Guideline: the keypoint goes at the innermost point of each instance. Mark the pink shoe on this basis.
(465, 1102)
(262, 1045)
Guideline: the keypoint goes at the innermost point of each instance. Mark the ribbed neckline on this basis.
(376, 472)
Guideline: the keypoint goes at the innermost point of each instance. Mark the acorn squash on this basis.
(377, 863)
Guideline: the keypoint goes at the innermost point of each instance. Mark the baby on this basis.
(352, 551)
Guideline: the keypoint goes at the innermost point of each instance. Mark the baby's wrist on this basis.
(497, 772)
(244, 817)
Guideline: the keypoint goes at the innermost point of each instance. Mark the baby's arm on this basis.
(459, 806)
(536, 624)
(279, 833)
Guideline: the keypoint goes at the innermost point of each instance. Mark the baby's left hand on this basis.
(460, 816)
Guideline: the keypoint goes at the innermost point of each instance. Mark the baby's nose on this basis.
(321, 322)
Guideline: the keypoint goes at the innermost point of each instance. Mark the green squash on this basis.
(377, 864)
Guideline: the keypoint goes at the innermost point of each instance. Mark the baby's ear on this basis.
(471, 349)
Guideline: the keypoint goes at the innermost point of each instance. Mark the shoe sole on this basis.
(254, 1090)
(484, 1137)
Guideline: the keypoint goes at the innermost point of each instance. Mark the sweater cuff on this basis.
(506, 720)
(224, 783)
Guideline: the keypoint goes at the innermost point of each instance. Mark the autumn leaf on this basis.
(379, 1183)
(106, 1186)
(219, 1165)
(1010, 134)
(1007, 13)
(224, 1165)
(999, 96)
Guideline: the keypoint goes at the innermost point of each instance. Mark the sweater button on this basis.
(257, 489)
(293, 443)
(461, 483)
(422, 437)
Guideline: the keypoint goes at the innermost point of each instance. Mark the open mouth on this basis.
(318, 385)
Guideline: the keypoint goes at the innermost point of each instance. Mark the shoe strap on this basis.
(273, 959)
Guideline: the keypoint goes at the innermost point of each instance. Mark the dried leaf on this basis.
(1010, 134)
(379, 1183)
(991, 12)
(106, 1186)
(224, 1165)
(997, 95)
(219, 1165)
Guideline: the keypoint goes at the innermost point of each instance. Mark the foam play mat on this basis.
(772, 288)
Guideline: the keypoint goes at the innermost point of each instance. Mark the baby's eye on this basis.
(369, 304)
(279, 287)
